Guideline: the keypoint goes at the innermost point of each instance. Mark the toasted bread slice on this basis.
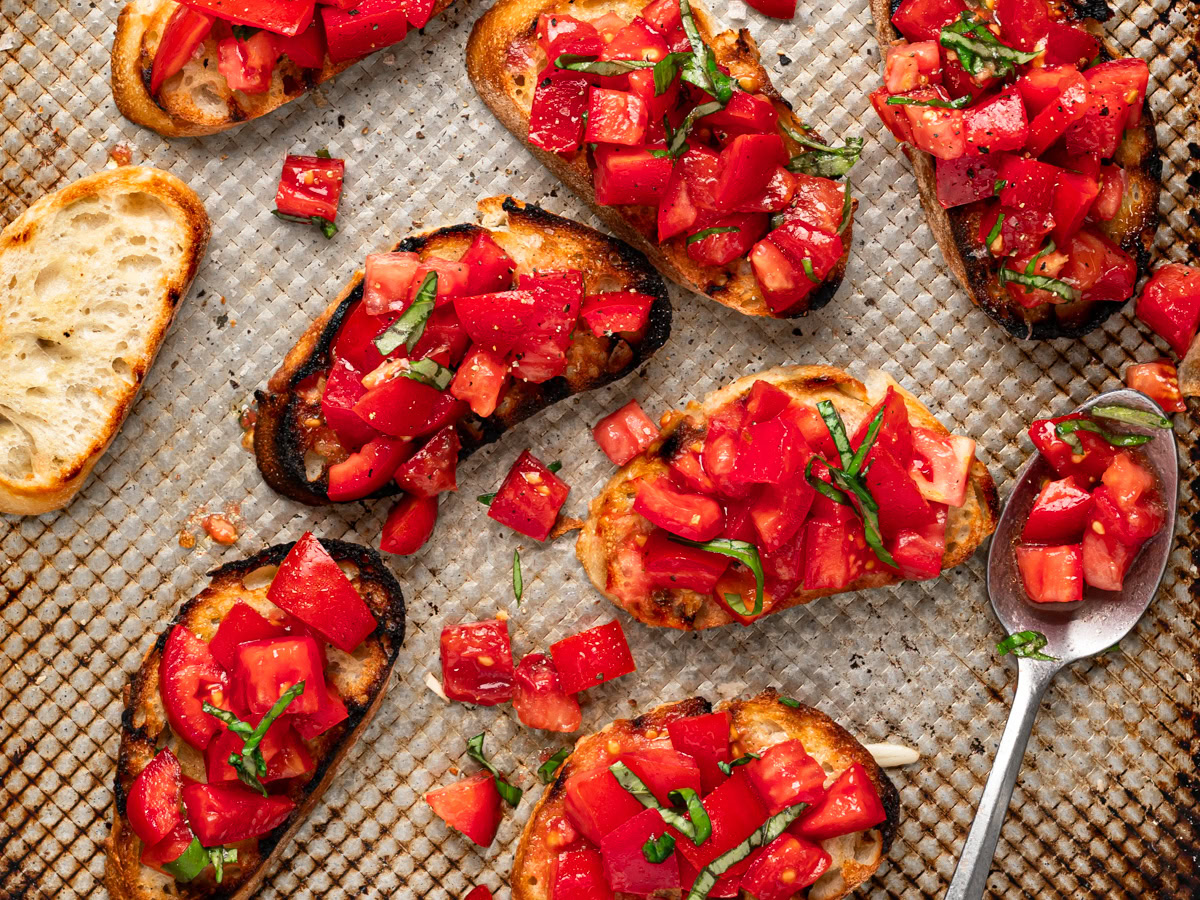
(957, 229)
(611, 519)
(197, 100)
(757, 724)
(360, 678)
(90, 278)
(503, 61)
(293, 447)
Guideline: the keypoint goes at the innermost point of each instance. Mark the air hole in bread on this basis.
(259, 578)
(121, 367)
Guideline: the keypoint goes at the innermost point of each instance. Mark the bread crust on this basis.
(611, 517)
(29, 497)
(502, 42)
(176, 113)
(956, 230)
(758, 723)
(533, 237)
(362, 681)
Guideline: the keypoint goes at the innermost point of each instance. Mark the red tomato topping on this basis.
(664, 770)
(244, 623)
(477, 664)
(852, 804)
(367, 470)
(1099, 268)
(942, 465)
(1073, 198)
(530, 497)
(314, 589)
(636, 41)
(332, 711)
(787, 865)
(432, 469)
(835, 550)
(616, 312)
(406, 407)
(1070, 44)
(288, 17)
(489, 268)
(539, 699)
(1159, 381)
(691, 516)
(470, 806)
(185, 32)
(1170, 305)
(670, 564)
(266, 669)
(370, 26)
(966, 179)
(189, 677)
(777, 9)
(344, 388)
(735, 812)
(229, 812)
(482, 892)
(1023, 23)
(388, 281)
(310, 186)
(745, 166)
(560, 106)
(705, 738)
(306, 49)
(721, 247)
(922, 20)
(247, 65)
(595, 803)
(626, 866)
(630, 175)
(579, 875)
(480, 380)
(1059, 513)
(152, 805)
(1106, 558)
(592, 657)
(785, 775)
(1052, 574)
(624, 434)
(284, 752)
(169, 849)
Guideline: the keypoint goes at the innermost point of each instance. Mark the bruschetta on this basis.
(196, 68)
(778, 489)
(240, 714)
(442, 345)
(676, 138)
(1034, 152)
(763, 797)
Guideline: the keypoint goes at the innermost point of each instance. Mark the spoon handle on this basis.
(970, 877)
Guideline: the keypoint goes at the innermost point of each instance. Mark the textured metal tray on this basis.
(1107, 805)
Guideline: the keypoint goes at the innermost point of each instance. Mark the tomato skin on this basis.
(310, 186)
(940, 132)
(230, 812)
(1071, 105)
(580, 876)
(966, 179)
(997, 124)
(432, 469)
(663, 770)
(616, 312)
(169, 849)
(735, 812)
(1098, 453)
(331, 711)
(595, 803)
(471, 806)
(287, 17)
(800, 241)
(1023, 23)
(691, 516)
(615, 117)
(482, 892)
(818, 203)
(418, 13)
(1106, 559)
(247, 65)
(1159, 381)
(1059, 514)
(477, 664)
(374, 25)
(745, 166)
(560, 105)
(705, 739)
(189, 677)
(489, 267)
(1128, 77)
(901, 505)
(405, 407)
(1052, 574)
(311, 586)
(776, 9)
(1073, 197)
(1070, 44)
(1099, 268)
(624, 434)
(241, 624)
(1170, 305)
(1101, 127)
(786, 775)
(787, 865)
(1112, 190)
(355, 339)
(387, 281)
(835, 549)
(480, 381)
(368, 469)
(539, 699)
(629, 175)
(745, 113)
(725, 247)
(851, 804)
(152, 805)
(409, 525)
(529, 498)
(781, 283)
(266, 668)
(592, 657)
(555, 30)
(184, 33)
(922, 20)
(636, 41)
(673, 565)
(1028, 194)
(344, 388)
(626, 866)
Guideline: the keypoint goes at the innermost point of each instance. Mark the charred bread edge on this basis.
(694, 706)
(488, 43)
(391, 623)
(278, 446)
(593, 554)
(952, 229)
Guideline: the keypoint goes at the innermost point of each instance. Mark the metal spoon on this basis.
(1096, 624)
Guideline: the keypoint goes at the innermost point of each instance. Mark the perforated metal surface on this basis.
(1107, 804)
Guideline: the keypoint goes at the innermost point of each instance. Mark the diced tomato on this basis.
(1100, 129)
(1106, 558)
(787, 865)
(310, 186)
(579, 875)
(555, 30)
(778, 512)
(314, 589)
(691, 516)
(677, 566)
(267, 668)
(624, 434)
(152, 805)
(895, 434)
(769, 452)
(539, 699)
(1170, 305)
(355, 339)
(288, 17)
(1112, 190)
(997, 124)
(699, 167)
(1133, 523)
(1047, 261)
(470, 806)
(1086, 471)
(1023, 23)
(1040, 86)
(919, 548)
(1099, 268)
(444, 340)
(370, 26)
(230, 812)
(911, 66)
(1073, 197)
(281, 747)
(1159, 381)
(835, 549)
(432, 469)
(1052, 574)
(800, 241)
(781, 283)
(901, 504)
(480, 381)
(560, 106)
(169, 849)
(852, 804)
(387, 282)
(765, 401)
(940, 132)
(720, 449)
(664, 770)
(595, 803)
(1071, 105)
(477, 664)
(966, 179)
(1058, 515)
(481, 892)
(688, 471)
(892, 115)
(630, 175)
(1028, 194)
(922, 20)
(705, 739)
(735, 812)
(819, 203)
(745, 166)
(489, 268)
(529, 498)
(367, 470)
(184, 33)
(658, 106)
(247, 64)
(1127, 480)
(189, 677)
(785, 775)
(723, 247)
(1127, 77)
(241, 624)
(1071, 44)
(332, 711)
(418, 13)
(739, 582)
(616, 312)
(406, 407)
(592, 657)
(514, 321)
(615, 117)
(636, 41)
(452, 278)
(344, 388)
(775, 197)
(816, 432)
(626, 865)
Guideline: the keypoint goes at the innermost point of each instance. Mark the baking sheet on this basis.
(1107, 803)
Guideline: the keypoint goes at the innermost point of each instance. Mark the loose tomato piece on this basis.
(616, 312)
(719, 248)
(1112, 190)
(691, 516)
(1073, 198)
(1099, 268)
(663, 770)
(539, 699)
(1085, 469)
(1071, 105)
(288, 17)
(344, 388)
(745, 166)
(835, 549)
(735, 812)
(231, 812)
(529, 499)
(787, 865)
(482, 892)
(705, 739)
(331, 711)
(1127, 77)
(579, 875)
(595, 803)
(188, 678)
(477, 664)
(785, 775)
(169, 849)
(1069, 44)
(851, 804)
(592, 657)
(996, 125)
(782, 284)
(247, 64)
(312, 587)
(432, 469)
(152, 805)
(776, 9)
(615, 117)
(185, 32)
(406, 407)
(1023, 23)
(1059, 513)
(901, 505)
(940, 132)
(480, 381)
(387, 282)
(489, 268)
(1170, 304)
(636, 41)
(367, 470)
(919, 550)
(624, 434)
(670, 564)
(266, 669)
(966, 179)
(626, 865)
(310, 186)
(370, 26)
(922, 20)
(1159, 381)
(470, 806)
(409, 525)
(799, 241)
(560, 108)
(1052, 574)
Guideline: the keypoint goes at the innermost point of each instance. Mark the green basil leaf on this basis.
(1000, 185)
(555, 466)
(666, 70)
(1132, 416)
(860, 455)
(701, 235)
(244, 33)
(518, 582)
(249, 764)
(690, 829)
(745, 553)
(687, 798)
(218, 856)
(995, 232)
(547, 769)
(961, 103)
(593, 66)
(728, 767)
(821, 159)
(486, 499)
(868, 511)
(676, 138)
(189, 864)
(979, 51)
(510, 793)
(837, 431)
(1026, 644)
(788, 701)
(1037, 257)
(1039, 282)
(407, 329)
(324, 154)
(429, 371)
(657, 850)
(821, 486)
(327, 228)
(1066, 430)
(807, 266)
(767, 832)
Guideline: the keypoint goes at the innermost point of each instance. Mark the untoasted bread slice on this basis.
(503, 61)
(957, 229)
(197, 100)
(90, 278)
(360, 678)
(611, 519)
(294, 448)
(757, 724)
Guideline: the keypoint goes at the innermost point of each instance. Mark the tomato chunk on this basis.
(1099, 268)
(630, 175)
(579, 875)
(267, 668)
(1023, 23)
(1127, 77)
(745, 113)
(922, 20)
(1073, 197)
(247, 64)
(244, 623)
(344, 388)
(367, 470)
(560, 107)
(387, 281)
(288, 17)
(1071, 105)
(995, 125)
(664, 770)
(229, 812)
(169, 849)
(1170, 304)
(1059, 513)
(966, 179)
(1106, 558)
(691, 516)
(432, 469)
(310, 186)
(615, 117)
(788, 865)
(1052, 574)
(152, 805)
(616, 312)
(670, 564)
(539, 699)
(717, 248)
(332, 711)
(592, 657)
(835, 549)
(529, 498)
(745, 166)
(1071, 44)
(769, 452)
(189, 677)
(625, 864)
(314, 589)
(940, 132)
(406, 407)
(1159, 381)
(477, 664)
(470, 806)
(851, 804)
(785, 775)
(595, 803)
(185, 32)
(778, 513)
(636, 41)
(705, 739)
(370, 26)
(941, 465)
(284, 752)
(480, 381)
(489, 267)
(624, 434)
(735, 812)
